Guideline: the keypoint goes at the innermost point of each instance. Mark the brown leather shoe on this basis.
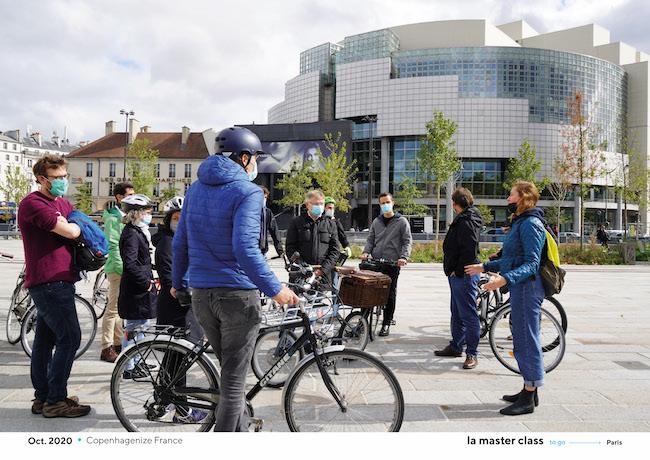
(117, 348)
(37, 405)
(108, 354)
(68, 408)
(448, 352)
(470, 362)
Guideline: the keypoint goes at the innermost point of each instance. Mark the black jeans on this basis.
(231, 321)
(389, 311)
(57, 326)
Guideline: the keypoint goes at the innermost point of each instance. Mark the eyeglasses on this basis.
(65, 176)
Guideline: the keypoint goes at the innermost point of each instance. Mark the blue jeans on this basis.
(129, 337)
(465, 324)
(526, 299)
(57, 328)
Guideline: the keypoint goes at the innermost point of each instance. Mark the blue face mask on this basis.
(146, 219)
(316, 210)
(253, 174)
(386, 208)
(59, 187)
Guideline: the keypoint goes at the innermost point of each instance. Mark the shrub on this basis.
(592, 254)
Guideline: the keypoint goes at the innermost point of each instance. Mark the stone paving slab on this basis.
(603, 384)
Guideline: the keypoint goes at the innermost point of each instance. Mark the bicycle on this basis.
(87, 324)
(277, 331)
(100, 293)
(494, 312)
(19, 304)
(333, 388)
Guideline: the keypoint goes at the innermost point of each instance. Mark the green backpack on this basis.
(551, 272)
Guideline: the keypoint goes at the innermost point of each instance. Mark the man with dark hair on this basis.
(461, 248)
(269, 227)
(111, 322)
(389, 238)
(50, 278)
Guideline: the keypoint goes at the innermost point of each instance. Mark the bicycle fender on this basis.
(329, 349)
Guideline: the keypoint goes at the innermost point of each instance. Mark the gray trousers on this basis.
(231, 321)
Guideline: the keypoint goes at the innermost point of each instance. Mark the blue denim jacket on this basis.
(522, 248)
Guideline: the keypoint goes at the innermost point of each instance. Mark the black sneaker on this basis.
(448, 352)
(384, 331)
(136, 373)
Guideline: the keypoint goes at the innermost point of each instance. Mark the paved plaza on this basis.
(603, 383)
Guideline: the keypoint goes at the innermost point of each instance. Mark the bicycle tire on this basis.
(200, 370)
(501, 341)
(338, 362)
(358, 334)
(269, 347)
(87, 324)
(564, 321)
(100, 294)
(20, 303)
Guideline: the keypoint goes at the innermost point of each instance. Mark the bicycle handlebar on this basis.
(380, 261)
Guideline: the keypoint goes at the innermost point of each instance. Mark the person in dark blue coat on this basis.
(217, 244)
(136, 303)
(518, 268)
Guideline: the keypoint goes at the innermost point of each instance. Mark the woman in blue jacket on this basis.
(518, 268)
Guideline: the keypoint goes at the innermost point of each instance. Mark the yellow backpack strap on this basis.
(552, 250)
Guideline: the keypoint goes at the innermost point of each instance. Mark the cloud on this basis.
(211, 64)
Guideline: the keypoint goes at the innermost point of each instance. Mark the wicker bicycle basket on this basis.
(365, 289)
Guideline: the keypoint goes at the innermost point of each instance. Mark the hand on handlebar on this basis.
(401, 262)
(286, 297)
(364, 256)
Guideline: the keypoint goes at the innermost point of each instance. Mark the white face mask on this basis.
(173, 226)
(329, 213)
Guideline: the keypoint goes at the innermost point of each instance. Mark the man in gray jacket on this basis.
(389, 238)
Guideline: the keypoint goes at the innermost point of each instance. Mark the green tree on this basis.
(405, 194)
(337, 176)
(295, 184)
(83, 198)
(168, 193)
(15, 185)
(437, 158)
(525, 167)
(141, 166)
(582, 157)
(486, 214)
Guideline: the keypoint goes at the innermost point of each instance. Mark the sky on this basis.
(208, 64)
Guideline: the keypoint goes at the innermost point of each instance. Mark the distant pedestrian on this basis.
(602, 236)
(112, 331)
(137, 300)
(50, 279)
(461, 248)
(330, 211)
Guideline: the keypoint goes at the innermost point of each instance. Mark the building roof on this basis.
(30, 142)
(167, 144)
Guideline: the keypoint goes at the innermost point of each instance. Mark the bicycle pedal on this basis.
(256, 425)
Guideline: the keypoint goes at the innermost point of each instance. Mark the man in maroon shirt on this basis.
(50, 278)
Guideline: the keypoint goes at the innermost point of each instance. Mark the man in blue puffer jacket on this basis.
(217, 243)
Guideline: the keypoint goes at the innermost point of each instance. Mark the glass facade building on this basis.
(501, 86)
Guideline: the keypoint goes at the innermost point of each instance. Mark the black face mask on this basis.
(512, 208)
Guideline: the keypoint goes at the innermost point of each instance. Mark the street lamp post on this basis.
(370, 119)
(126, 114)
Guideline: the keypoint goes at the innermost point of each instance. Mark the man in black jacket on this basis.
(461, 247)
(314, 236)
(269, 227)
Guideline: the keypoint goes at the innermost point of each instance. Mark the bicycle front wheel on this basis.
(370, 392)
(551, 334)
(149, 391)
(20, 303)
(87, 325)
(354, 331)
(100, 294)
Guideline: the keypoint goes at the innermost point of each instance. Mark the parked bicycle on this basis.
(277, 333)
(100, 293)
(331, 389)
(495, 310)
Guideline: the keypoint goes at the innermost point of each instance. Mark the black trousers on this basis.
(389, 311)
